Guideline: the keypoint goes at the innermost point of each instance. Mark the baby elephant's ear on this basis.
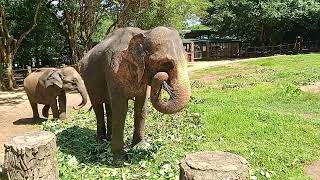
(54, 78)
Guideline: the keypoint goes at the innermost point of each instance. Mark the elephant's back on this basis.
(94, 66)
(31, 83)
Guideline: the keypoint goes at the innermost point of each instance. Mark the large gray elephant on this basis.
(121, 67)
(46, 85)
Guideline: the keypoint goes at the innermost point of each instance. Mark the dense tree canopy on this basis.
(264, 21)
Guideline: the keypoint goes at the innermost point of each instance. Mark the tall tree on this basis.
(79, 20)
(46, 45)
(9, 44)
(263, 22)
(147, 14)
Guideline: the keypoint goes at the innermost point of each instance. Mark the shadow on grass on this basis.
(29, 121)
(3, 176)
(81, 143)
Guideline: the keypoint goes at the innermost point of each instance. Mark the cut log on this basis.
(32, 156)
(214, 165)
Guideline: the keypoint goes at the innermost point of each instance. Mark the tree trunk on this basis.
(1, 77)
(10, 75)
(31, 156)
(214, 165)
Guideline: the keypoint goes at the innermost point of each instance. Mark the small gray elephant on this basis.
(46, 85)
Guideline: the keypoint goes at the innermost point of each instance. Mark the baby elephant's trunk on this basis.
(83, 93)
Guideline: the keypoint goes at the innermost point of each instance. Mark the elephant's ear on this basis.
(53, 78)
(136, 54)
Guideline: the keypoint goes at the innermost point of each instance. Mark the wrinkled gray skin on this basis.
(46, 85)
(121, 67)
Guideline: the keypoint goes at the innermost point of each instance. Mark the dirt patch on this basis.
(16, 115)
(212, 77)
(313, 170)
(312, 88)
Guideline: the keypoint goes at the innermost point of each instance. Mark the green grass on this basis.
(254, 109)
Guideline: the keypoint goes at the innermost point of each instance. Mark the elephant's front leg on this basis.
(54, 108)
(62, 105)
(45, 111)
(140, 112)
(101, 127)
(119, 108)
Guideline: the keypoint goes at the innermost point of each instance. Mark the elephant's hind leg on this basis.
(45, 111)
(101, 127)
(34, 107)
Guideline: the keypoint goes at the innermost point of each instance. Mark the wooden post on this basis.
(208, 49)
(214, 165)
(192, 51)
(31, 156)
(29, 70)
(247, 54)
(255, 51)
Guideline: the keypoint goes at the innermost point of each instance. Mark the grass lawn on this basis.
(254, 109)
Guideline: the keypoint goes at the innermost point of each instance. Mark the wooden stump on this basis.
(32, 156)
(214, 165)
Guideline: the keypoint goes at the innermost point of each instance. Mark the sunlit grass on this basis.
(254, 109)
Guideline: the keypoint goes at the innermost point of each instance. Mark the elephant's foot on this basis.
(120, 158)
(137, 140)
(46, 115)
(140, 145)
(35, 117)
(62, 115)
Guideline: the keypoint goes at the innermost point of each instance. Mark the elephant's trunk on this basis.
(179, 91)
(83, 93)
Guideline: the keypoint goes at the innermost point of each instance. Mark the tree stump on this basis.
(32, 156)
(214, 165)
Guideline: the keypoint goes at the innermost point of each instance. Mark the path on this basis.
(194, 66)
(16, 113)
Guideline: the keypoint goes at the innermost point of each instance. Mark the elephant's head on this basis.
(67, 79)
(158, 56)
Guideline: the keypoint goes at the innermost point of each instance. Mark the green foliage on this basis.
(200, 27)
(102, 28)
(46, 43)
(174, 13)
(267, 22)
(291, 90)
